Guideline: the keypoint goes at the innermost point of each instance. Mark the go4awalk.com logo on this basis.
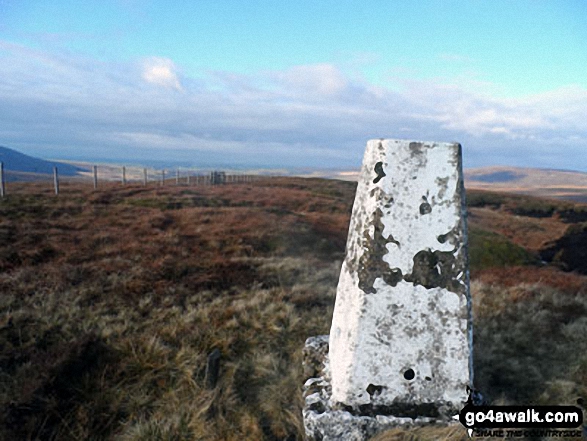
(511, 421)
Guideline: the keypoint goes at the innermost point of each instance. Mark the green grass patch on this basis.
(487, 249)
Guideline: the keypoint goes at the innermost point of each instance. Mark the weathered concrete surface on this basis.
(328, 421)
(400, 342)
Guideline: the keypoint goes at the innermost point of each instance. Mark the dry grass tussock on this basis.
(111, 301)
(78, 367)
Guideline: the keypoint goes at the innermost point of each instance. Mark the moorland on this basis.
(112, 299)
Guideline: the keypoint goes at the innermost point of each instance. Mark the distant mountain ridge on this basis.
(15, 161)
(549, 183)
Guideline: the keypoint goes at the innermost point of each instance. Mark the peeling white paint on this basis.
(377, 337)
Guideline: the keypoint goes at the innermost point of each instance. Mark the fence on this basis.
(107, 175)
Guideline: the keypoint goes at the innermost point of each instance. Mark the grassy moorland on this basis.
(111, 301)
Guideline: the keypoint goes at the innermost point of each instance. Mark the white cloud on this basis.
(305, 115)
(460, 110)
(162, 72)
(322, 79)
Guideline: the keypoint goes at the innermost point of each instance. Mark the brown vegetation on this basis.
(111, 301)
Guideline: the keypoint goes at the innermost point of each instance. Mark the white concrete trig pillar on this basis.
(400, 345)
(401, 321)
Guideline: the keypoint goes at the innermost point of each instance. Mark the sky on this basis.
(300, 83)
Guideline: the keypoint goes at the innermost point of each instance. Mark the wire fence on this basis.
(107, 176)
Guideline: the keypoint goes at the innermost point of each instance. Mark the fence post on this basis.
(177, 177)
(162, 177)
(95, 177)
(188, 178)
(56, 180)
(2, 182)
(123, 175)
(144, 176)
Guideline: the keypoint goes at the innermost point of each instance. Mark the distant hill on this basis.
(15, 161)
(560, 184)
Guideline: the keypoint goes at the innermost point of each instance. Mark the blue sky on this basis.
(301, 83)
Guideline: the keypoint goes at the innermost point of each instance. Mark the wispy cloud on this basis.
(162, 72)
(318, 80)
(306, 115)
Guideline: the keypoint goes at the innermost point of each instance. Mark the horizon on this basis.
(161, 164)
(298, 85)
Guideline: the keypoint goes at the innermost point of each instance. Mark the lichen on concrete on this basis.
(371, 264)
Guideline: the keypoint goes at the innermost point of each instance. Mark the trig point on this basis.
(400, 345)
